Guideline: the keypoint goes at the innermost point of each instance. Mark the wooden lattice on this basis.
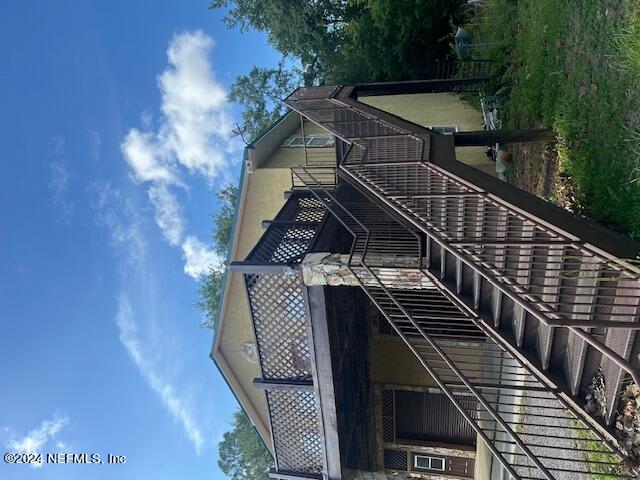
(296, 431)
(290, 235)
(278, 310)
(302, 209)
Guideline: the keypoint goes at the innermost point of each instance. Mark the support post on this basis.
(286, 384)
(491, 137)
(280, 475)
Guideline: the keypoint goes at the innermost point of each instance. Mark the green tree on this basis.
(260, 93)
(345, 41)
(398, 40)
(210, 292)
(242, 454)
(223, 220)
(311, 30)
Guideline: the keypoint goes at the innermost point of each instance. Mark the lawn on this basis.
(574, 66)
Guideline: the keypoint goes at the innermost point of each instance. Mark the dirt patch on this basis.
(535, 168)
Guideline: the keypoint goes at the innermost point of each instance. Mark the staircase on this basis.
(527, 423)
(552, 309)
(539, 289)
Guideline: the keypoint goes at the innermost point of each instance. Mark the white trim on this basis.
(295, 141)
(429, 459)
(445, 129)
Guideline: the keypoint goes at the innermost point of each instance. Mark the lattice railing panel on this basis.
(302, 209)
(284, 244)
(296, 431)
(290, 236)
(278, 309)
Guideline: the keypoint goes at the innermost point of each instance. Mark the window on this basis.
(313, 141)
(444, 129)
(293, 142)
(424, 462)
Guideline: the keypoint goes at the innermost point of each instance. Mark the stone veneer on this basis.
(324, 268)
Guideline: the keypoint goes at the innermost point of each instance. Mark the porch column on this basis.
(491, 137)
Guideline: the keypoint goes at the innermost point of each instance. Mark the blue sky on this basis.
(115, 136)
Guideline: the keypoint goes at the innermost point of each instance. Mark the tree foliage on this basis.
(333, 42)
(223, 220)
(310, 30)
(398, 40)
(339, 41)
(260, 93)
(242, 455)
(210, 292)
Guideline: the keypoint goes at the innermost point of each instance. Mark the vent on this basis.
(395, 460)
(388, 424)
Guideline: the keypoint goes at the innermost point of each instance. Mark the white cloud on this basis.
(115, 212)
(195, 129)
(59, 178)
(197, 123)
(36, 439)
(168, 394)
(168, 213)
(194, 136)
(143, 332)
(145, 156)
(198, 258)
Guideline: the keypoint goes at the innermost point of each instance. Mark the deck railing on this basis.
(280, 319)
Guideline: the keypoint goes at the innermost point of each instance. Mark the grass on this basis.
(604, 463)
(574, 66)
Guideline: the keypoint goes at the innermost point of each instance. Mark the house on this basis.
(392, 309)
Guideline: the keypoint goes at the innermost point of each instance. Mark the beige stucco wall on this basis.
(431, 109)
(391, 362)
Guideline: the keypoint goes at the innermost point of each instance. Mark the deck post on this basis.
(491, 137)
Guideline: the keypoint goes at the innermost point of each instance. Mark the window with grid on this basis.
(427, 462)
(313, 141)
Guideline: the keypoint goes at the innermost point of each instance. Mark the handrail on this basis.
(336, 202)
(468, 384)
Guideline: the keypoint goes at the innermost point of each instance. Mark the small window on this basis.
(313, 141)
(293, 142)
(320, 141)
(424, 462)
(444, 129)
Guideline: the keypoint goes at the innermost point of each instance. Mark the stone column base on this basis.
(324, 268)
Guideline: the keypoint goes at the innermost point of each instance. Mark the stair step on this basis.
(620, 340)
(536, 267)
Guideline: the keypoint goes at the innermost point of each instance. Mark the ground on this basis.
(573, 66)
